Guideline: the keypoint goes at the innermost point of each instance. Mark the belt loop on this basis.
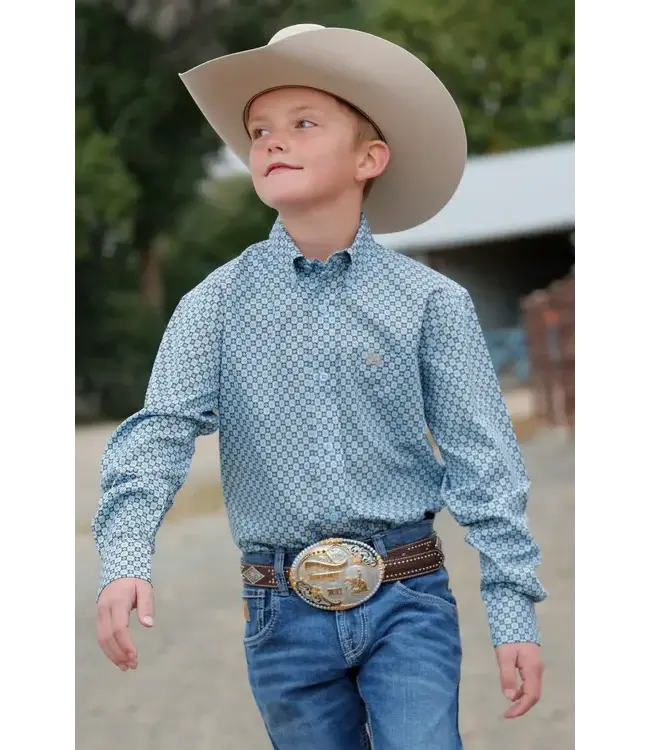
(378, 543)
(280, 577)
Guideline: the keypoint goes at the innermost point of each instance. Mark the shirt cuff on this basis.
(511, 616)
(126, 558)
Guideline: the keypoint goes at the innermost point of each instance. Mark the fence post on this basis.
(563, 300)
(536, 310)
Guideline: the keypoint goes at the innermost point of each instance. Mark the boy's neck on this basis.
(323, 231)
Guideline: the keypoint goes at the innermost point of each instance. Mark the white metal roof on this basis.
(501, 195)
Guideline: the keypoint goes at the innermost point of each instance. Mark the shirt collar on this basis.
(286, 253)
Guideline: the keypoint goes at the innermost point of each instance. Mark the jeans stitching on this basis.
(356, 653)
(344, 639)
(433, 598)
(268, 628)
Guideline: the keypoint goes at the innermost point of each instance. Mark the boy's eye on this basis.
(258, 133)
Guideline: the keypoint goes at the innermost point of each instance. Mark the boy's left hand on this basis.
(527, 659)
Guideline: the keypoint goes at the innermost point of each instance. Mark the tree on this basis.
(225, 219)
(124, 78)
(104, 191)
(508, 63)
(198, 30)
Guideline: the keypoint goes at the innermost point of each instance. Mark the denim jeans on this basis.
(388, 669)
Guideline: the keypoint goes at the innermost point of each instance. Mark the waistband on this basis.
(381, 542)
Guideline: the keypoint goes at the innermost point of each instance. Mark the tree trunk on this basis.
(151, 287)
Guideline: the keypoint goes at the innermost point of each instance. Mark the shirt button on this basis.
(328, 445)
(324, 377)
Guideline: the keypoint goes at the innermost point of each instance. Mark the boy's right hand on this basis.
(113, 609)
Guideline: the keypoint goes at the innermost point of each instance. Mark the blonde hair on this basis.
(365, 131)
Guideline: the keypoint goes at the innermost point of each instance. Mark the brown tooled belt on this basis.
(406, 561)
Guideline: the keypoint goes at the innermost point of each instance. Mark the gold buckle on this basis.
(337, 574)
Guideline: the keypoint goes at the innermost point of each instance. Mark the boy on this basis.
(321, 357)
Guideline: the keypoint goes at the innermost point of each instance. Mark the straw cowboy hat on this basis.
(408, 104)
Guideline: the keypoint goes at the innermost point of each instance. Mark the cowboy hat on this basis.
(411, 108)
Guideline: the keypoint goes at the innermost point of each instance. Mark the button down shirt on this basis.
(321, 379)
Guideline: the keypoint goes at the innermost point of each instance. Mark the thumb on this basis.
(144, 603)
(508, 670)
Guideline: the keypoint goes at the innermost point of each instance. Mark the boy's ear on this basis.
(374, 160)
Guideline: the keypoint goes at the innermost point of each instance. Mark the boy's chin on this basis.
(290, 202)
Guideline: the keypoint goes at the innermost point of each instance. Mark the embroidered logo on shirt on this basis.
(374, 358)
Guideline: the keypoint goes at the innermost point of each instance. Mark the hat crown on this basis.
(297, 28)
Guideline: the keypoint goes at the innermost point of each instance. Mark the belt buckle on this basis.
(337, 574)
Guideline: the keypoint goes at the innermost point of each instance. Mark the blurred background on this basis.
(160, 204)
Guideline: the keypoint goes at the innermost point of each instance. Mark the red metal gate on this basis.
(549, 317)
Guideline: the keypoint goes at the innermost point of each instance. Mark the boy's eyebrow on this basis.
(304, 108)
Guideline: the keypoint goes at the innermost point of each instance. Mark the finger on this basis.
(531, 689)
(518, 694)
(144, 603)
(522, 706)
(105, 638)
(127, 652)
(508, 677)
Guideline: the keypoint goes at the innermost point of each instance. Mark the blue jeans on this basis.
(388, 669)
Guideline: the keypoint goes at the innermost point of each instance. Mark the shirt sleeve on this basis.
(147, 459)
(485, 485)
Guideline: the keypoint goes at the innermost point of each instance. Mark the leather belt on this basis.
(342, 573)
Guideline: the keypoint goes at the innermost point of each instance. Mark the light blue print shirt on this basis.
(320, 378)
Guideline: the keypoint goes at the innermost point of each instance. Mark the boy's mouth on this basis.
(278, 165)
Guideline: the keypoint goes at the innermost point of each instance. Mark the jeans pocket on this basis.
(432, 588)
(261, 608)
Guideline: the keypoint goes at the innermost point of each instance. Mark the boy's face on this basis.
(316, 136)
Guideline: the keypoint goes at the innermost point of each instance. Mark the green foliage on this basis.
(225, 218)
(198, 30)
(114, 360)
(104, 191)
(125, 78)
(508, 63)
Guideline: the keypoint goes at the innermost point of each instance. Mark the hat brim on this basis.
(413, 109)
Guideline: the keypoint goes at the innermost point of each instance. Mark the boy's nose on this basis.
(276, 146)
